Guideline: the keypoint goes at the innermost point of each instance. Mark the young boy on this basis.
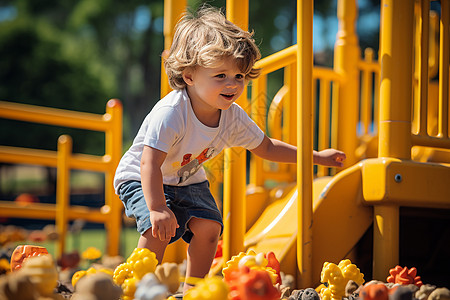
(160, 179)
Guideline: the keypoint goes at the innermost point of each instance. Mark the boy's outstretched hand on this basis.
(329, 158)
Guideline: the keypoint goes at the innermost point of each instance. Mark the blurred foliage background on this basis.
(77, 54)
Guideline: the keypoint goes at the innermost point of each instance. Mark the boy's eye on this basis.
(239, 76)
(220, 75)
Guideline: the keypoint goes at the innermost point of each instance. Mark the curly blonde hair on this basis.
(204, 39)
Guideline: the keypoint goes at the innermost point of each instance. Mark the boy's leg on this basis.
(153, 244)
(202, 247)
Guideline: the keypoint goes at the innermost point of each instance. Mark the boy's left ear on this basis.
(188, 76)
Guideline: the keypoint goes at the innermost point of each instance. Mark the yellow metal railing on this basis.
(423, 133)
(63, 160)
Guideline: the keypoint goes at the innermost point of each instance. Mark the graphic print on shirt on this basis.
(190, 167)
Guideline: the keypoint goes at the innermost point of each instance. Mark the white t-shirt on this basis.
(173, 128)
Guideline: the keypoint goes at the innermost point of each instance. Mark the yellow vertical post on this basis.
(291, 110)
(113, 149)
(235, 163)
(395, 119)
(172, 12)
(444, 62)
(258, 114)
(173, 9)
(423, 66)
(305, 10)
(290, 105)
(324, 123)
(62, 190)
(346, 56)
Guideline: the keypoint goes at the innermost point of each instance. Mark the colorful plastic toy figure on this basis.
(42, 272)
(377, 291)
(80, 274)
(169, 275)
(128, 274)
(253, 284)
(337, 277)
(5, 267)
(69, 260)
(17, 286)
(91, 254)
(403, 275)
(209, 288)
(251, 260)
(424, 291)
(23, 252)
(306, 294)
(440, 294)
(99, 286)
(150, 288)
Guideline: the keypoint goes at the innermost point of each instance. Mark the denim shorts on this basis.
(186, 202)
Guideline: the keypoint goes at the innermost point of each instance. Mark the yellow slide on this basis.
(339, 221)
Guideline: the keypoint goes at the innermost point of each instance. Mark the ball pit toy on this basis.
(403, 275)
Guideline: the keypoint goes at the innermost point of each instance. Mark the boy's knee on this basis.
(207, 229)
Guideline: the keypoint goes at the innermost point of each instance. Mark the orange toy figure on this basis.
(404, 276)
(253, 284)
(22, 252)
(377, 291)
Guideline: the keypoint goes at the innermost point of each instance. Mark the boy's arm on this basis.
(279, 151)
(162, 218)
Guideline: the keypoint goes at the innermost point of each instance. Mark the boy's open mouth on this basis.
(227, 96)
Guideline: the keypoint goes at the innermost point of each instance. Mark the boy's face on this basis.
(216, 88)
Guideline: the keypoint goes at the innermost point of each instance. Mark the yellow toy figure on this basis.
(210, 288)
(337, 277)
(128, 274)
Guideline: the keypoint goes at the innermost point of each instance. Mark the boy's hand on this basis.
(164, 223)
(330, 158)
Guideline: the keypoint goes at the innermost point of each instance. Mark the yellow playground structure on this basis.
(390, 116)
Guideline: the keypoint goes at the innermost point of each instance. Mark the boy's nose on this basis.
(231, 82)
